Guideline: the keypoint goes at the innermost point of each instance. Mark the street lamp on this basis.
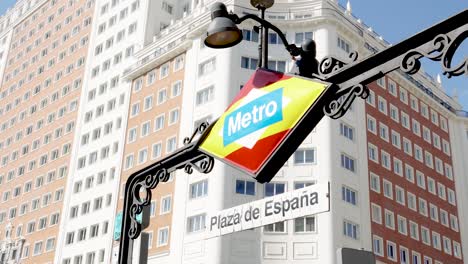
(224, 33)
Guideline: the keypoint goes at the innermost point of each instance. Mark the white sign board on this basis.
(298, 203)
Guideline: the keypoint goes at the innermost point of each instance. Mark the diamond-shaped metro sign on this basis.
(256, 131)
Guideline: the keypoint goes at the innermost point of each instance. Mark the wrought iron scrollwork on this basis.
(150, 181)
(330, 64)
(343, 100)
(204, 165)
(142, 182)
(442, 49)
(198, 130)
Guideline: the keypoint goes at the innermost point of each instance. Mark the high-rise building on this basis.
(92, 91)
(389, 160)
(44, 51)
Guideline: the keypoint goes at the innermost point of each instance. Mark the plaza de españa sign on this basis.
(266, 122)
(309, 200)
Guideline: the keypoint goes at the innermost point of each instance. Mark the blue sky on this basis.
(399, 19)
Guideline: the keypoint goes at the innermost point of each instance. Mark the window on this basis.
(173, 116)
(207, 67)
(278, 227)
(249, 63)
(385, 159)
(416, 258)
(129, 161)
(391, 251)
(275, 188)
(404, 257)
(383, 131)
(245, 187)
(389, 219)
(411, 201)
(198, 189)
(402, 226)
(179, 63)
(305, 224)
(425, 236)
(37, 248)
(148, 103)
(165, 205)
(50, 244)
(156, 150)
(196, 223)
(388, 190)
(409, 173)
(163, 236)
(346, 131)
(382, 103)
(343, 44)
(142, 155)
(135, 109)
(164, 71)
(400, 195)
(377, 244)
(371, 125)
(162, 96)
(349, 195)
(350, 230)
(159, 122)
(132, 135)
(436, 240)
(300, 185)
(414, 232)
(374, 182)
(176, 89)
(376, 213)
(422, 206)
(205, 95)
(304, 156)
(171, 145)
(145, 129)
(347, 162)
(151, 77)
(301, 36)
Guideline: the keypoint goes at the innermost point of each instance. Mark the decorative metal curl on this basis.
(205, 165)
(150, 182)
(343, 100)
(198, 130)
(442, 49)
(330, 64)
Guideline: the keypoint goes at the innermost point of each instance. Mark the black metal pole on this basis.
(264, 43)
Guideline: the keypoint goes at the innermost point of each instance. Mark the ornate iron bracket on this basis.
(343, 99)
(442, 49)
(330, 64)
(139, 185)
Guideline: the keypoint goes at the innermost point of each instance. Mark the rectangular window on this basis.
(376, 213)
(347, 131)
(207, 67)
(349, 195)
(402, 225)
(347, 162)
(205, 95)
(245, 187)
(350, 230)
(163, 236)
(199, 189)
(305, 224)
(196, 223)
(304, 156)
(274, 188)
(166, 204)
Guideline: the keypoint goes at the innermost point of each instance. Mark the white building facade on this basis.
(88, 216)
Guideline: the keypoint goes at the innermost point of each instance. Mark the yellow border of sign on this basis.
(296, 89)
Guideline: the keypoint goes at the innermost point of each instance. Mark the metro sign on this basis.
(266, 122)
